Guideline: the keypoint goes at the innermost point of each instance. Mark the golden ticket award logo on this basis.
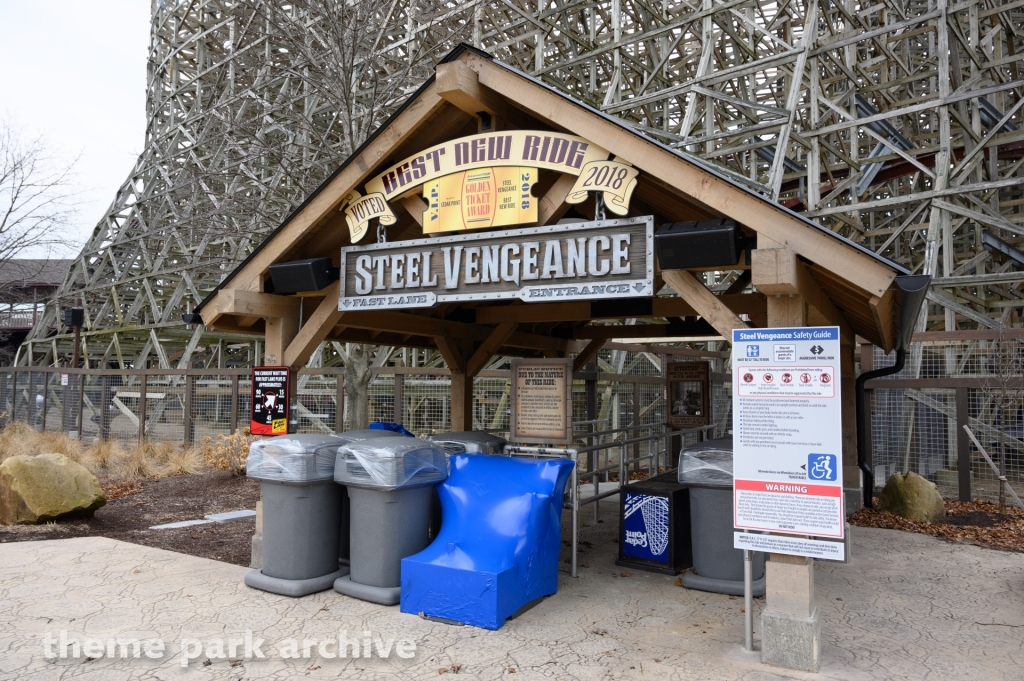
(484, 197)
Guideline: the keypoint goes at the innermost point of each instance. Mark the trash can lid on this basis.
(469, 442)
(707, 464)
(367, 434)
(389, 463)
(293, 458)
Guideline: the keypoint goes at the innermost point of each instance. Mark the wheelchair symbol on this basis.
(822, 467)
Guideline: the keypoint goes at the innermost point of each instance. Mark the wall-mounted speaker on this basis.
(704, 243)
(74, 316)
(312, 274)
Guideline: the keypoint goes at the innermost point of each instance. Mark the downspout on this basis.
(911, 291)
(863, 415)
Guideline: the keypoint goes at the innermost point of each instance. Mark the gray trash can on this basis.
(389, 482)
(706, 468)
(348, 436)
(302, 513)
(469, 442)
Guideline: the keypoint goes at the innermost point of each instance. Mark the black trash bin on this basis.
(654, 525)
(389, 482)
(706, 470)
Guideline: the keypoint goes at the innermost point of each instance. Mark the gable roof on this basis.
(855, 277)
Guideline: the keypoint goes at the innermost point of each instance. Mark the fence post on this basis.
(963, 443)
(14, 396)
(187, 420)
(143, 389)
(234, 404)
(46, 398)
(399, 400)
(31, 406)
(339, 403)
(105, 406)
(81, 402)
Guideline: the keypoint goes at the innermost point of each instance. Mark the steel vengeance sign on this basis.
(583, 261)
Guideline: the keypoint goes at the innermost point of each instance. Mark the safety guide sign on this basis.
(787, 431)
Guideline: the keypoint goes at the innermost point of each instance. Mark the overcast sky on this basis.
(74, 73)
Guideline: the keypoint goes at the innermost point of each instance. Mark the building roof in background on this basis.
(27, 272)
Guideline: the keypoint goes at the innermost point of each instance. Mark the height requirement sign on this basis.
(787, 439)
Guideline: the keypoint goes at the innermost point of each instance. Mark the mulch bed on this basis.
(133, 507)
(977, 522)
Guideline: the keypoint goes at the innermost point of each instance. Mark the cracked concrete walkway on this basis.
(908, 607)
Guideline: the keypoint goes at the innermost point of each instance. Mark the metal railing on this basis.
(658, 446)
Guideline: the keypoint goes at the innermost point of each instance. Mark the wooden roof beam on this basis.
(706, 303)
(779, 272)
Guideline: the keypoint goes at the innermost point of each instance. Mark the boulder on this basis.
(911, 496)
(37, 489)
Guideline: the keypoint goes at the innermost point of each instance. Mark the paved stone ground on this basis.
(908, 607)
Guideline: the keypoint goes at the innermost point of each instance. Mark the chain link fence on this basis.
(918, 414)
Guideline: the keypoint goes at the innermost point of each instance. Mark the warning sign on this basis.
(787, 450)
(269, 401)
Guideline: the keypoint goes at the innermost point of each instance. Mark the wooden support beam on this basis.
(452, 353)
(241, 302)
(279, 334)
(414, 206)
(587, 354)
(462, 402)
(460, 85)
(779, 272)
(483, 354)
(315, 329)
(706, 303)
(581, 311)
(552, 205)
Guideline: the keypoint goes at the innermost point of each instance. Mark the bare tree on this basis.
(1005, 390)
(35, 197)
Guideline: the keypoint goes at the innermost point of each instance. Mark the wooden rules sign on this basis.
(541, 401)
(581, 261)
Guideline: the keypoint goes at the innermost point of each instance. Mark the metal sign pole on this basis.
(748, 598)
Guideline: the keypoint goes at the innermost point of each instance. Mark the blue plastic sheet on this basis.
(393, 427)
(499, 543)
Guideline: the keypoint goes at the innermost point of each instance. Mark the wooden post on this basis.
(31, 402)
(399, 399)
(234, 404)
(81, 401)
(853, 489)
(280, 332)
(339, 404)
(105, 400)
(462, 401)
(189, 426)
(46, 398)
(143, 387)
(963, 444)
(14, 396)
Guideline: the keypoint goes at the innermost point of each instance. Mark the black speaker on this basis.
(705, 243)
(312, 274)
(74, 316)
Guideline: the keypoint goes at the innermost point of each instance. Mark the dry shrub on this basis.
(101, 453)
(114, 461)
(18, 439)
(184, 461)
(228, 452)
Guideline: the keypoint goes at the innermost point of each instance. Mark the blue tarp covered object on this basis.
(499, 543)
(393, 427)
